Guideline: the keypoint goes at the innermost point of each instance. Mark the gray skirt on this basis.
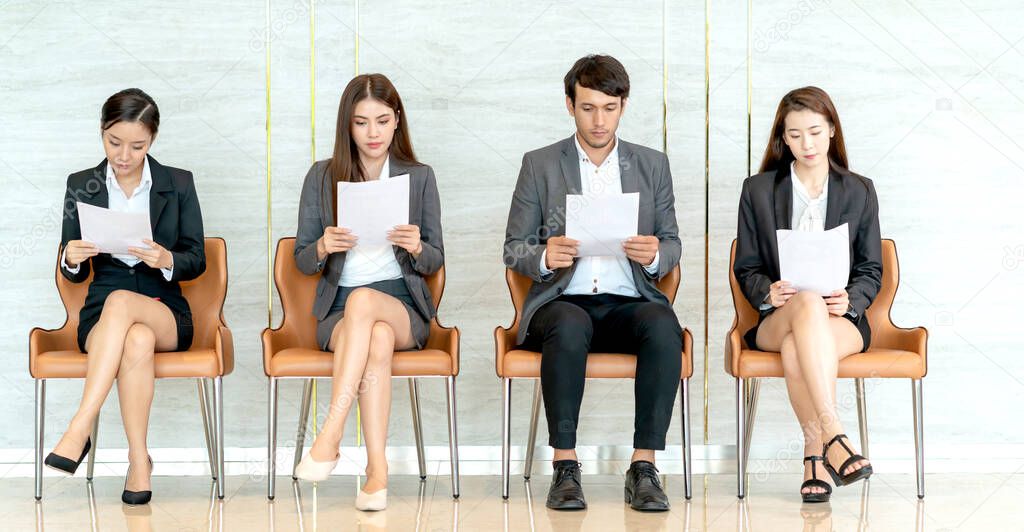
(395, 288)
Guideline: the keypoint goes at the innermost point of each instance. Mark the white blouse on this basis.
(808, 213)
(364, 264)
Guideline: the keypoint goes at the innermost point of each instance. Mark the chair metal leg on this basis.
(204, 407)
(218, 423)
(531, 442)
(862, 417)
(506, 444)
(40, 411)
(300, 434)
(741, 432)
(453, 435)
(91, 466)
(753, 392)
(417, 425)
(687, 450)
(919, 435)
(271, 437)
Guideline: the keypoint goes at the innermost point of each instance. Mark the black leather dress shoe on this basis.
(643, 488)
(566, 492)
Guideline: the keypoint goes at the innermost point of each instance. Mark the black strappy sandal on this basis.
(843, 480)
(815, 482)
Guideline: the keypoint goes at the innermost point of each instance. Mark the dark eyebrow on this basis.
(113, 136)
(385, 115)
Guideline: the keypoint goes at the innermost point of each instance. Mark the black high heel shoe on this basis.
(853, 476)
(67, 465)
(135, 498)
(815, 482)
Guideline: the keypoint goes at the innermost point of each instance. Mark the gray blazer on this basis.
(316, 208)
(538, 212)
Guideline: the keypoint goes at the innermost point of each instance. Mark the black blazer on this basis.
(766, 205)
(177, 225)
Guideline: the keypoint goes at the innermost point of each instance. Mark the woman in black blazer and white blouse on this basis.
(371, 301)
(134, 305)
(805, 184)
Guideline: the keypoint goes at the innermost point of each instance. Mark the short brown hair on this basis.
(598, 72)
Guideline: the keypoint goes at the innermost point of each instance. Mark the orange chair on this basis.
(54, 354)
(291, 351)
(894, 353)
(512, 363)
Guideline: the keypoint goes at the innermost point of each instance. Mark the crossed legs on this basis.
(121, 346)
(363, 342)
(812, 343)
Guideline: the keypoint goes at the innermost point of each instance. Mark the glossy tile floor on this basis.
(887, 502)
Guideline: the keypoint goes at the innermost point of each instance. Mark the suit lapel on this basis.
(783, 199)
(397, 168)
(836, 193)
(571, 166)
(627, 168)
(95, 189)
(162, 186)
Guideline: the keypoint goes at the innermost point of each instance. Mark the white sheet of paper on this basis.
(601, 222)
(818, 261)
(371, 208)
(113, 231)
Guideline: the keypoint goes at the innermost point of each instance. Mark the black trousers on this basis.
(566, 329)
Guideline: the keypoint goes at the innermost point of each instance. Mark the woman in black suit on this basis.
(805, 184)
(371, 300)
(134, 306)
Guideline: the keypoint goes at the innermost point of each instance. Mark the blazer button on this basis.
(131, 271)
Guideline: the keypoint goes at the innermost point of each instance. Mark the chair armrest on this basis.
(445, 339)
(274, 341)
(43, 340)
(914, 340)
(504, 341)
(733, 348)
(225, 349)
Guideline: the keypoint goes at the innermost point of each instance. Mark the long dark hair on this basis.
(345, 164)
(777, 154)
(130, 105)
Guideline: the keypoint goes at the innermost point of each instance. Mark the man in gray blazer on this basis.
(611, 304)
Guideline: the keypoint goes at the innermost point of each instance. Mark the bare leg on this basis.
(135, 380)
(350, 342)
(804, 410)
(375, 402)
(105, 345)
(818, 342)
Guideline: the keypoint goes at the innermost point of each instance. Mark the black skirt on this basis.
(90, 315)
(860, 322)
(396, 288)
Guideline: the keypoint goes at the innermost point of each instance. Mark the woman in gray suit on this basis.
(370, 301)
(805, 185)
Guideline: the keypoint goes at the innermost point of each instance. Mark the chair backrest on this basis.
(519, 285)
(878, 312)
(205, 295)
(298, 290)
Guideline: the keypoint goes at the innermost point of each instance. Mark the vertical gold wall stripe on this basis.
(357, 39)
(270, 233)
(312, 140)
(707, 205)
(359, 415)
(750, 76)
(664, 76)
